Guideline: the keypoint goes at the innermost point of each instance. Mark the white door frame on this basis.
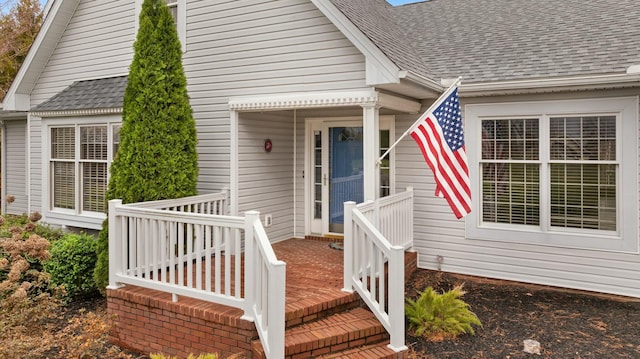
(320, 226)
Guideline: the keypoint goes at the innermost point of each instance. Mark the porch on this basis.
(184, 278)
(320, 318)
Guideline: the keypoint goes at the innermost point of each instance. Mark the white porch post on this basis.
(371, 150)
(115, 244)
(233, 163)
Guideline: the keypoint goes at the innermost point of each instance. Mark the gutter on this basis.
(570, 83)
(421, 80)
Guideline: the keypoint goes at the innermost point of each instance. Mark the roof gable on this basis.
(57, 16)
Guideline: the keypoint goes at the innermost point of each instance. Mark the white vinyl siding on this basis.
(265, 178)
(438, 235)
(16, 166)
(235, 48)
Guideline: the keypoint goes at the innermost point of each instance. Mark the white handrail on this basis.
(371, 260)
(265, 289)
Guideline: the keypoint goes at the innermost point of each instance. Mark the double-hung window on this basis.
(559, 173)
(79, 159)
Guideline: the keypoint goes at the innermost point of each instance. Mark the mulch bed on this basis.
(567, 324)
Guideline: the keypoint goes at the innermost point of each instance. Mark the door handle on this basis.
(324, 179)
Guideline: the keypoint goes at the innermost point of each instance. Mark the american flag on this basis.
(440, 136)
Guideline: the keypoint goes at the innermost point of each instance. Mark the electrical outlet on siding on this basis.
(268, 220)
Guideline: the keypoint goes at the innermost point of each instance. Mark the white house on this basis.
(550, 94)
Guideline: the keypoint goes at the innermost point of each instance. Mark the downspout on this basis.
(3, 158)
(28, 171)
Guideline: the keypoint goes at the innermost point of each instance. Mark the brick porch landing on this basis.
(320, 318)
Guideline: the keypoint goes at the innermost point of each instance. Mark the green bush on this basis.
(157, 158)
(73, 259)
(440, 316)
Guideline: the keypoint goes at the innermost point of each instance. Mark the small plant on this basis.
(191, 356)
(439, 316)
(73, 259)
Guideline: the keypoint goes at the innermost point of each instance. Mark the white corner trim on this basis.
(380, 69)
(70, 113)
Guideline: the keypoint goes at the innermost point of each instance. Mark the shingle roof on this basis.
(375, 19)
(495, 40)
(90, 94)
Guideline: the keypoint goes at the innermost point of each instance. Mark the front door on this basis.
(336, 170)
(337, 173)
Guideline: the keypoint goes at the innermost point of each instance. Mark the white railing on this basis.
(393, 217)
(374, 267)
(184, 247)
(265, 283)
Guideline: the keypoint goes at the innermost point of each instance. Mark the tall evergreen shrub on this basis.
(157, 157)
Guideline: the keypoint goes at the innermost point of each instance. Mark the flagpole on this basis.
(431, 108)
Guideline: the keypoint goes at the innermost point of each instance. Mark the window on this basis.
(79, 161)
(554, 173)
(179, 13)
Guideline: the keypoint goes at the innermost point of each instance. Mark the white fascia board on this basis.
(16, 102)
(421, 80)
(607, 81)
(293, 101)
(380, 69)
(58, 15)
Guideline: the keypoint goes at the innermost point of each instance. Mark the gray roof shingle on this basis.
(90, 94)
(375, 19)
(496, 40)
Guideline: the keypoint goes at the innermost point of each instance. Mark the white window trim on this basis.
(72, 217)
(626, 240)
(181, 23)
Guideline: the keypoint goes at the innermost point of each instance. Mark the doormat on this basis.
(336, 245)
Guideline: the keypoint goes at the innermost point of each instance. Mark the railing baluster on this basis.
(164, 248)
(237, 261)
(227, 261)
(173, 243)
(198, 252)
(180, 239)
(218, 258)
(208, 269)
(190, 253)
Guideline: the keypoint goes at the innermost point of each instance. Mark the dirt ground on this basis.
(567, 324)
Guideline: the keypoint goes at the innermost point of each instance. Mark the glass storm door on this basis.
(345, 173)
(337, 162)
(336, 168)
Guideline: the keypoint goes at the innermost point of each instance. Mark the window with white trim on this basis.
(179, 13)
(80, 155)
(555, 172)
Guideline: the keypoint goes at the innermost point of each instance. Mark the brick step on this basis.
(335, 333)
(317, 303)
(371, 351)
